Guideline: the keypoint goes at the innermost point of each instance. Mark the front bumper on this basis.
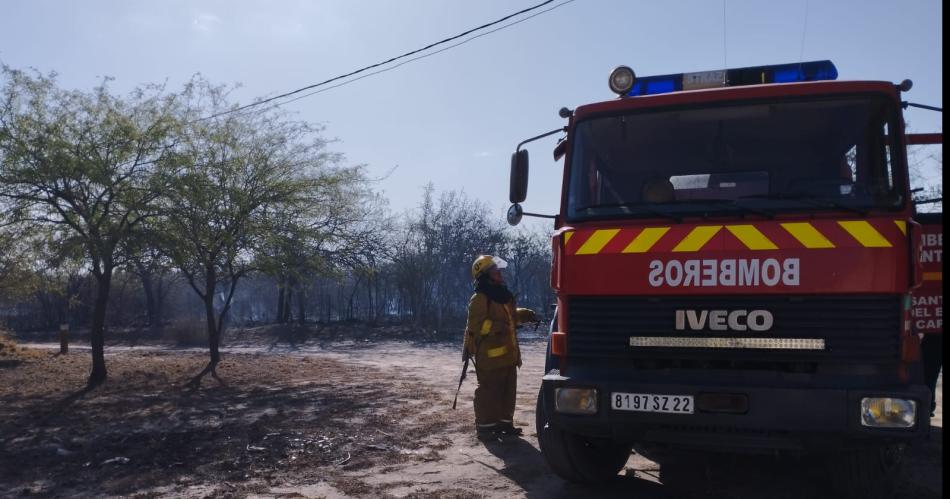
(800, 419)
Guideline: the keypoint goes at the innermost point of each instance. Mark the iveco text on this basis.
(723, 320)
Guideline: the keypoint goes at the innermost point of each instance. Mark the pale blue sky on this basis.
(454, 118)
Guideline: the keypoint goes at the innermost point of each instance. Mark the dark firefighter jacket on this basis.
(490, 336)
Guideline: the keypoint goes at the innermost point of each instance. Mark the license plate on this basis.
(649, 402)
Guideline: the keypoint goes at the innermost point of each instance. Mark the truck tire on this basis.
(575, 458)
(871, 473)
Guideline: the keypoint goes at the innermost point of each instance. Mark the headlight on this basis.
(575, 400)
(881, 412)
(621, 80)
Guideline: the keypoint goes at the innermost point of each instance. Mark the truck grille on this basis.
(854, 328)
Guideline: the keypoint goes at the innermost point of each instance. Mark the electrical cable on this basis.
(392, 59)
(248, 106)
(801, 52)
(565, 2)
(725, 58)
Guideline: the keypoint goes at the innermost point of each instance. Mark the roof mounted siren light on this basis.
(621, 80)
(753, 75)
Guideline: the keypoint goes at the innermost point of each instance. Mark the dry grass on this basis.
(13, 354)
(279, 421)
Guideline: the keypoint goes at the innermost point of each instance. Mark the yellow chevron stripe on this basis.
(697, 238)
(933, 276)
(597, 241)
(808, 235)
(567, 236)
(865, 233)
(902, 225)
(751, 237)
(645, 240)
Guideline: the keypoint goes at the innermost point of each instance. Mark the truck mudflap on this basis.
(775, 419)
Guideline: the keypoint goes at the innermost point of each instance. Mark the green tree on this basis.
(154, 270)
(18, 278)
(81, 163)
(339, 227)
(234, 179)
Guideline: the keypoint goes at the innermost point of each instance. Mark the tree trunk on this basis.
(160, 293)
(288, 299)
(302, 319)
(370, 306)
(280, 303)
(150, 306)
(214, 339)
(356, 287)
(97, 334)
(47, 309)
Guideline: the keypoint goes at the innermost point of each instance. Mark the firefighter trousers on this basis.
(495, 397)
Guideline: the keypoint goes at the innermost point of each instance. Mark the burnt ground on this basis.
(333, 419)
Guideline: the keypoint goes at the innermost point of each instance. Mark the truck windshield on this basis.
(761, 158)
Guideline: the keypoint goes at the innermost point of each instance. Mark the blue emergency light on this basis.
(778, 73)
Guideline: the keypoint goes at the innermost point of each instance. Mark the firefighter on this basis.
(490, 340)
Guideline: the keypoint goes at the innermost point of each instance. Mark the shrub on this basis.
(186, 333)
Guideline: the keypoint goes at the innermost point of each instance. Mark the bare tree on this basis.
(433, 256)
(528, 250)
(925, 166)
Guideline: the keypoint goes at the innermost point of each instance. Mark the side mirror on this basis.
(559, 150)
(514, 214)
(519, 177)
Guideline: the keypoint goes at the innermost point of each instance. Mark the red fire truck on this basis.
(733, 261)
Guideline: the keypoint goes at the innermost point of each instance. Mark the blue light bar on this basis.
(778, 73)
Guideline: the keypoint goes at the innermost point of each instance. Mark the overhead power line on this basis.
(423, 56)
(402, 56)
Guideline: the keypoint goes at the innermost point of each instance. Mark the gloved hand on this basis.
(526, 315)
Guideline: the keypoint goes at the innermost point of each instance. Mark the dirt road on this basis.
(518, 469)
(348, 419)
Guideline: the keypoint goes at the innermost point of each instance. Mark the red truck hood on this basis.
(768, 257)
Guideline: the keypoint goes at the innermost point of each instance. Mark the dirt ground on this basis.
(338, 419)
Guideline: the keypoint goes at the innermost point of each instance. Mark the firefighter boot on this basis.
(486, 432)
(506, 428)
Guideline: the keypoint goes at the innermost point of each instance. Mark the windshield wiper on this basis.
(639, 206)
(817, 201)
